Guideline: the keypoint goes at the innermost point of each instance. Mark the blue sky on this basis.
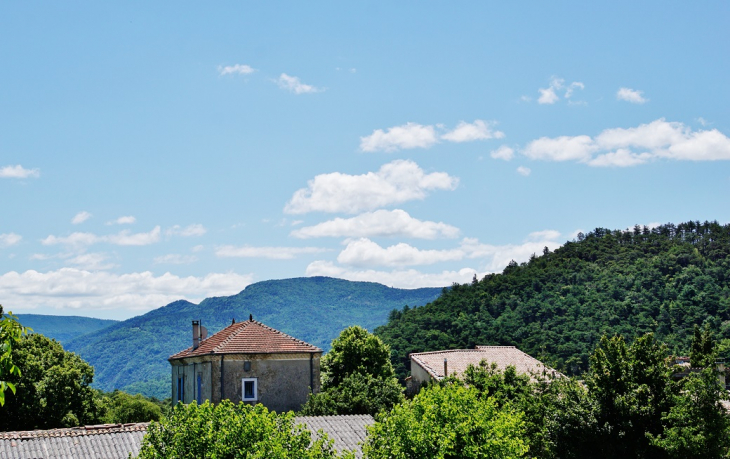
(151, 152)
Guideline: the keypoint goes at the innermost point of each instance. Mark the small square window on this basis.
(250, 389)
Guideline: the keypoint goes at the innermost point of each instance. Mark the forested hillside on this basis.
(556, 306)
(63, 328)
(132, 355)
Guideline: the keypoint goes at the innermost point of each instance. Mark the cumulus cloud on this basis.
(524, 171)
(9, 239)
(549, 95)
(631, 95)
(294, 84)
(396, 182)
(381, 223)
(414, 135)
(409, 135)
(469, 132)
(409, 278)
(504, 152)
(18, 171)
(125, 220)
(74, 289)
(624, 147)
(124, 238)
(175, 259)
(364, 252)
(236, 69)
(272, 253)
(191, 230)
(80, 217)
(91, 261)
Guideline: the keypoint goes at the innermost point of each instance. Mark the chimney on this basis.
(196, 334)
(446, 367)
(250, 317)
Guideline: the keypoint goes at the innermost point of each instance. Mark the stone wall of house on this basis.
(283, 380)
(419, 376)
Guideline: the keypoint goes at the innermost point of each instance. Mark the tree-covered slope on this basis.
(132, 355)
(556, 306)
(63, 328)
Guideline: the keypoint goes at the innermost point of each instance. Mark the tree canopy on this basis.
(10, 334)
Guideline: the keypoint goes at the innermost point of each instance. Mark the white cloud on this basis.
(191, 230)
(414, 135)
(396, 182)
(549, 95)
(198, 248)
(410, 278)
(466, 132)
(504, 152)
(409, 135)
(237, 69)
(125, 220)
(631, 95)
(293, 84)
(175, 259)
(18, 171)
(91, 261)
(364, 252)
(578, 148)
(624, 147)
(524, 171)
(381, 223)
(272, 253)
(72, 288)
(124, 238)
(9, 239)
(80, 217)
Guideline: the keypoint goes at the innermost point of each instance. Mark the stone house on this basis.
(246, 362)
(427, 367)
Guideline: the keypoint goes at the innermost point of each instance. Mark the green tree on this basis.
(52, 388)
(122, 407)
(697, 425)
(632, 388)
(231, 431)
(358, 377)
(447, 422)
(356, 394)
(356, 350)
(10, 333)
(702, 352)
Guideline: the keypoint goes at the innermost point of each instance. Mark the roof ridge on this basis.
(282, 333)
(74, 431)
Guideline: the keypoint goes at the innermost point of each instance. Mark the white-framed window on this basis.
(250, 389)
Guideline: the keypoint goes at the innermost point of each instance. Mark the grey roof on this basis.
(107, 441)
(348, 432)
(117, 441)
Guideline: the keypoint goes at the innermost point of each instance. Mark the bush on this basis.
(356, 394)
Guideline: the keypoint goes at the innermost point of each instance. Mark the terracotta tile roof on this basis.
(248, 337)
(348, 432)
(107, 441)
(459, 359)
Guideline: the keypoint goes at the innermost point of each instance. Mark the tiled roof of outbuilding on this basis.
(459, 359)
(248, 337)
(347, 431)
(108, 441)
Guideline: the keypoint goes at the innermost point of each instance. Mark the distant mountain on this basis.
(132, 355)
(63, 328)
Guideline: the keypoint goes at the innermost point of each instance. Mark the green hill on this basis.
(132, 355)
(63, 328)
(556, 306)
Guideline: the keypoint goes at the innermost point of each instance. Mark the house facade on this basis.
(246, 362)
(427, 367)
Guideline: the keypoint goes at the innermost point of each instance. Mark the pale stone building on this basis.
(427, 367)
(246, 362)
